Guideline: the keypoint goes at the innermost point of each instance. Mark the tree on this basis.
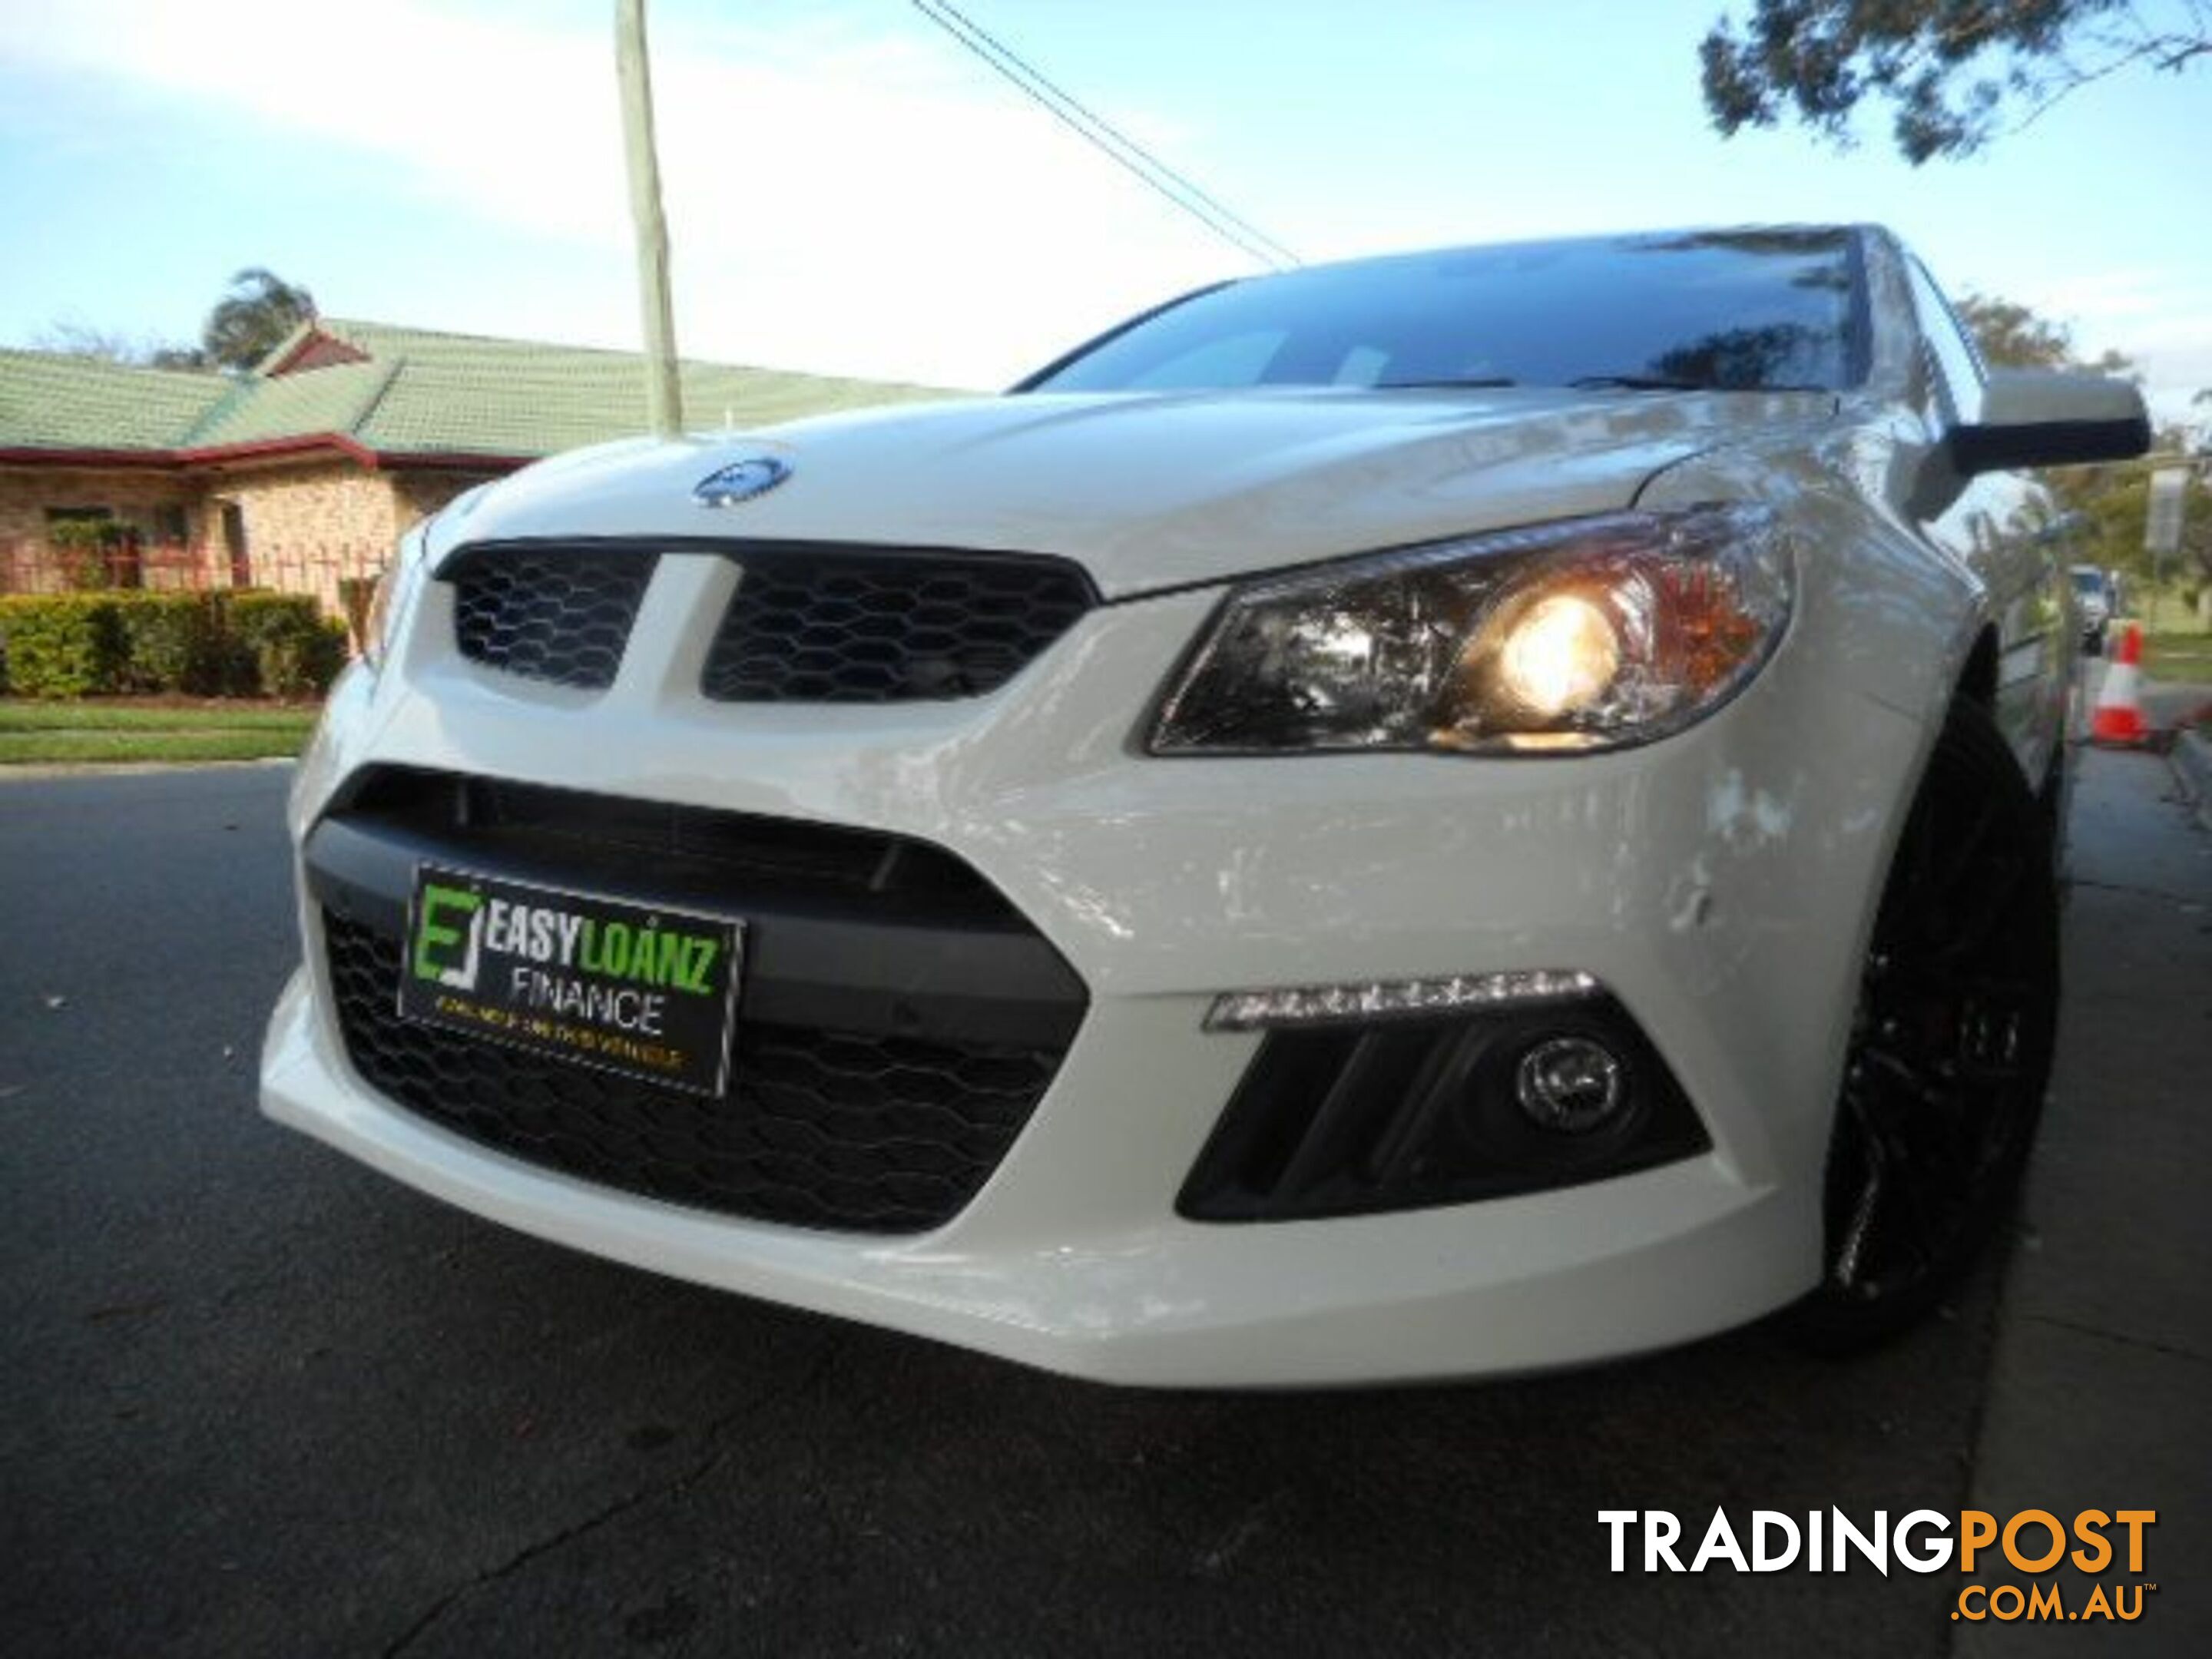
(73, 339)
(2011, 336)
(255, 313)
(2110, 499)
(251, 319)
(1949, 67)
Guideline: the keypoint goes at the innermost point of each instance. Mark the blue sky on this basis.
(848, 193)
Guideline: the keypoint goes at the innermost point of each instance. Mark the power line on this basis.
(1108, 134)
(1175, 187)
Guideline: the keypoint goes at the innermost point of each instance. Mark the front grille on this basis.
(808, 626)
(859, 1132)
(603, 837)
(562, 615)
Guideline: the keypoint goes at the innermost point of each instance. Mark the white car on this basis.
(2094, 603)
(1418, 817)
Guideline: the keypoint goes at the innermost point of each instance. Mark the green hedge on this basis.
(245, 643)
(293, 650)
(173, 642)
(65, 645)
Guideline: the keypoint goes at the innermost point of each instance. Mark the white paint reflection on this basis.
(1744, 818)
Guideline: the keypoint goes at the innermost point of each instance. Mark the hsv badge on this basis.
(740, 481)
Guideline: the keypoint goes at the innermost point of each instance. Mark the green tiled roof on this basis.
(49, 401)
(334, 400)
(533, 407)
(419, 392)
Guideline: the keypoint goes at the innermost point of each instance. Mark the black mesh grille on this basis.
(561, 615)
(822, 1128)
(886, 628)
(801, 858)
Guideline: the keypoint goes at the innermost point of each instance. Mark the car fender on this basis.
(1882, 627)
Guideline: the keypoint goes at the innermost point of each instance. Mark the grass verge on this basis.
(2178, 657)
(48, 733)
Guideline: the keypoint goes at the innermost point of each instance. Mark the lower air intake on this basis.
(853, 1132)
(1409, 1114)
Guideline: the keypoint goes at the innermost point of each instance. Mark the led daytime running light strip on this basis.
(1331, 1004)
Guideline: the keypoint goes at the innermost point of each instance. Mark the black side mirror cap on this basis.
(2031, 417)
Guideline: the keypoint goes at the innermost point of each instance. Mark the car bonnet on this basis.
(1147, 491)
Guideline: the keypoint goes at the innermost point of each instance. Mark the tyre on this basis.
(1950, 1048)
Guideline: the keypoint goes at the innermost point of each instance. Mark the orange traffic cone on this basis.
(2117, 722)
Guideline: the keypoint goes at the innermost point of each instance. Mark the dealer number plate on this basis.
(644, 991)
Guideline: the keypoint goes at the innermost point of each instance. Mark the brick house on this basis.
(308, 469)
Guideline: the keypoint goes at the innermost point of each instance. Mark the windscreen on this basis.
(1739, 311)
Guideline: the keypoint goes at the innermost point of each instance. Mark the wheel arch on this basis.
(1976, 681)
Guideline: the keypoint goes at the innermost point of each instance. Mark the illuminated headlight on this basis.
(1589, 634)
(394, 596)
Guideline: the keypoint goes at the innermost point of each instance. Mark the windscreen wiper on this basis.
(1665, 383)
(1472, 383)
(1638, 383)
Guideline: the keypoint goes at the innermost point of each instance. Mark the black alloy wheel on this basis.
(1951, 1044)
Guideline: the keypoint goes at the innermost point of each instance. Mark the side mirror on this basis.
(2034, 417)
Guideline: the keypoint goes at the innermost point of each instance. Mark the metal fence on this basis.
(321, 570)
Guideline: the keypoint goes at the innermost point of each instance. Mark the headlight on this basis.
(394, 595)
(1589, 634)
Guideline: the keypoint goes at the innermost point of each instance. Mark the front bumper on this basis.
(1717, 883)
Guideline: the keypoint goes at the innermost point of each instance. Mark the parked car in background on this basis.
(2096, 602)
(1424, 817)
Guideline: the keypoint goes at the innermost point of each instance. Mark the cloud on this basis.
(2155, 313)
(847, 191)
(839, 198)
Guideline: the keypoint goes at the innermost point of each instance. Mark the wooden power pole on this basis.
(664, 391)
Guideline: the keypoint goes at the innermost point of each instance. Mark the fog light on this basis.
(1570, 1084)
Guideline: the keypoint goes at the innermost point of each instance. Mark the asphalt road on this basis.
(257, 1401)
